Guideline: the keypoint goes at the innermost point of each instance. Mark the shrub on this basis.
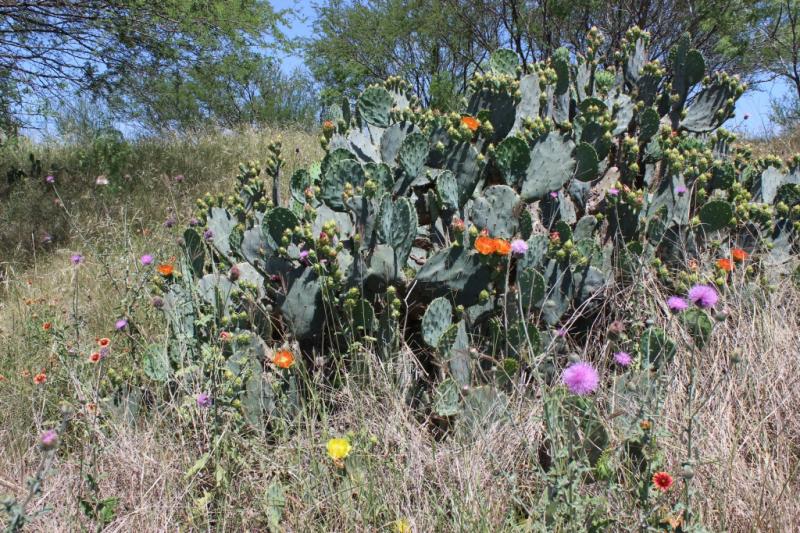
(480, 240)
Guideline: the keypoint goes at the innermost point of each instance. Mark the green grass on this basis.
(400, 468)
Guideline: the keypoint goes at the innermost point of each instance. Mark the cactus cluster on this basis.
(591, 160)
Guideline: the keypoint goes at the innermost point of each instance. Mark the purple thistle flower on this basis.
(170, 222)
(146, 259)
(554, 194)
(304, 256)
(203, 400)
(677, 304)
(157, 302)
(519, 247)
(178, 178)
(561, 332)
(49, 439)
(680, 190)
(623, 359)
(194, 221)
(580, 378)
(121, 324)
(613, 191)
(703, 296)
(76, 259)
(208, 235)
(50, 179)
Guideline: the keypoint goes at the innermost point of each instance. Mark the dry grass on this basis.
(747, 436)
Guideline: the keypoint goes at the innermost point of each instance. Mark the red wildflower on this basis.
(283, 359)
(485, 245)
(40, 378)
(662, 481)
(739, 255)
(725, 264)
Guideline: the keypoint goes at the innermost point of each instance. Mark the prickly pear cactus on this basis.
(510, 212)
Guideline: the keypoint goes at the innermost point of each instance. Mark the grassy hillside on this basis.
(118, 470)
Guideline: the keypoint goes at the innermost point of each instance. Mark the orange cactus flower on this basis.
(662, 481)
(104, 342)
(739, 255)
(225, 336)
(485, 245)
(165, 269)
(40, 378)
(502, 247)
(725, 264)
(471, 122)
(327, 125)
(283, 359)
(46, 326)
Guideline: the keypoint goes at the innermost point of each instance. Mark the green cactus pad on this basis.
(551, 166)
(462, 161)
(392, 140)
(587, 163)
(494, 211)
(334, 180)
(447, 399)
(768, 183)
(400, 228)
(709, 109)
(279, 220)
(195, 251)
(374, 105)
(656, 348)
(525, 223)
(531, 286)
(504, 62)
(512, 157)
(454, 269)
(716, 215)
(364, 321)
(155, 363)
(561, 65)
(447, 189)
(649, 123)
(413, 153)
(300, 181)
(454, 349)
(528, 106)
(437, 318)
(221, 224)
(303, 308)
(698, 324)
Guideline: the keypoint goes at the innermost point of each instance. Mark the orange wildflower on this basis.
(470, 122)
(725, 264)
(165, 269)
(662, 481)
(104, 342)
(40, 378)
(502, 247)
(485, 245)
(283, 359)
(2, 378)
(95, 357)
(739, 255)
(47, 325)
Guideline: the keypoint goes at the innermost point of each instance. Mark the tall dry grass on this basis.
(747, 432)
